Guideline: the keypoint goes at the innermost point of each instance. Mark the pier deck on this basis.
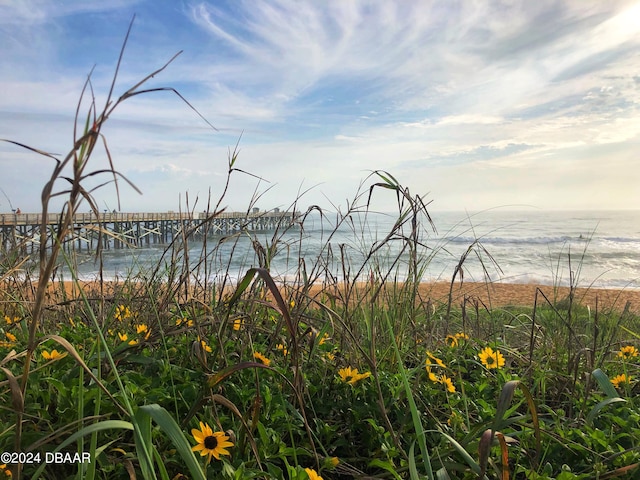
(121, 229)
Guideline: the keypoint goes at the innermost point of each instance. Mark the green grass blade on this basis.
(413, 471)
(596, 409)
(506, 396)
(442, 474)
(164, 475)
(170, 428)
(415, 415)
(605, 384)
(144, 446)
(88, 430)
(242, 286)
(461, 450)
(630, 332)
(504, 402)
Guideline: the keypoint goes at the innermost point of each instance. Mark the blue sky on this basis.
(478, 104)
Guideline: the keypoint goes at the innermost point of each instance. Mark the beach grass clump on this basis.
(347, 369)
(276, 388)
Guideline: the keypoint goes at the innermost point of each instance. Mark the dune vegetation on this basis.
(343, 372)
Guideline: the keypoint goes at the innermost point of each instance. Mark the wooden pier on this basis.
(118, 230)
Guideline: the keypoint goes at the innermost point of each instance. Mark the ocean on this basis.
(599, 249)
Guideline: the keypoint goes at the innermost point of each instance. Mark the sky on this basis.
(473, 104)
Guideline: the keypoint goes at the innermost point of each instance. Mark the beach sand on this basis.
(491, 295)
(508, 294)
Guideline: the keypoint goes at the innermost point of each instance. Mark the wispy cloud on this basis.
(445, 94)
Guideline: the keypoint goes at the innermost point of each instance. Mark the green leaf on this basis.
(376, 462)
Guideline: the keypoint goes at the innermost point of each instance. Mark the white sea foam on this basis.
(599, 248)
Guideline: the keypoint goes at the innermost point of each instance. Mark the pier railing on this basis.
(10, 219)
(121, 228)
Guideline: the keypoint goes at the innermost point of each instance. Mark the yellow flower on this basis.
(10, 336)
(622, 378)
(185, 321)
(292, 303)
(122, 313)
(324, 338)
(262, 358)
(4, 471)
(351, 375)
(210, 444)
(432, 376)
(491, 359)
(435, 359)
(143, 329)
(628, 352)
(237, 323)
(329, 356)
(282, 348)
(454, 340)
(54, 355)
(451, 340)
(331, 462)
(123, 337)
(447, 382)
(312, 474)
(133, 342)
(347, 373)
(205, 346)
(455, 419)
(10, 320)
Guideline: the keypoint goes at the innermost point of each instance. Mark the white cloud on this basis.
(41, 11)
(473, 119)
(446, 94)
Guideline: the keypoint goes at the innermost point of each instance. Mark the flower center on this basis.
(210, 442)
(490, 360)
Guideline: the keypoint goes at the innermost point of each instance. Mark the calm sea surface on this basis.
(549, 247)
